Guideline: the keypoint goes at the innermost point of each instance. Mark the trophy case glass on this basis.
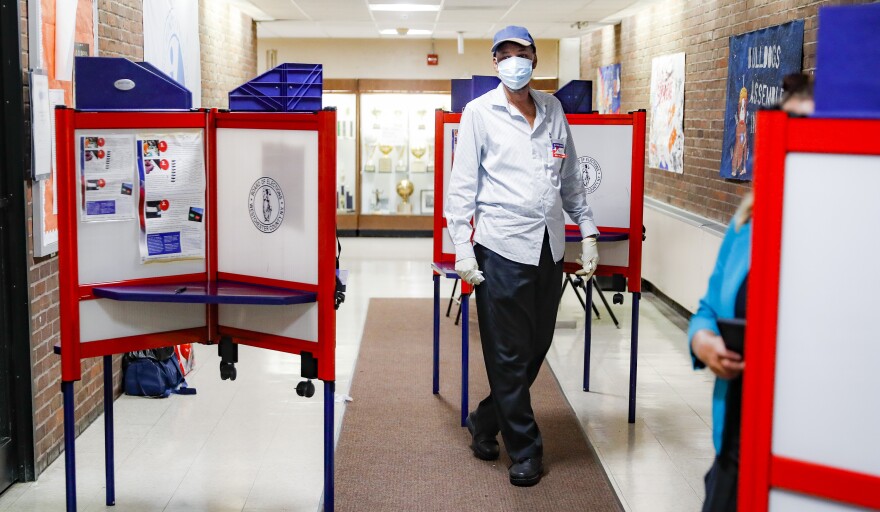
(346, 150)
(397, 152)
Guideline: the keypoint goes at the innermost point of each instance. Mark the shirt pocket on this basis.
(556, 153)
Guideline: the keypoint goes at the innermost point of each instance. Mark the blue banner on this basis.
(757, 64)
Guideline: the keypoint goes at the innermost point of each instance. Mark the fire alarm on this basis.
(433, 59)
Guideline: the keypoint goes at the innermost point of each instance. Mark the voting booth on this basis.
(199, 226)
(611, 161)
(445, 136)
(810, 390)
(611, 157)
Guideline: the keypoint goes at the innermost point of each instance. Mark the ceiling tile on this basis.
(290, 29)
(464, 15)
(279, 9)
(476, 18)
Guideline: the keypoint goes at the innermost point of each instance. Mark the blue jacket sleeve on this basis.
(707, 313)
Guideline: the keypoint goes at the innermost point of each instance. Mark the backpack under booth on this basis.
(153, 373)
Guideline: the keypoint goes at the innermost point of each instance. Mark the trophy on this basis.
(421, 114)
(385, 159)
(404, 190)
(418, 151)
(401, 162)
(376, 113)
(429, 151)
(371, 145)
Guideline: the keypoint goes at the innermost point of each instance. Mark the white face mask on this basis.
(515, 72)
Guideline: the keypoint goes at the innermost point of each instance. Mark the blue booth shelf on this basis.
(288, 87)
(215, 292)
(114, 83)
(576, 97)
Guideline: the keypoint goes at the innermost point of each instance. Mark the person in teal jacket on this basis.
(726, 298)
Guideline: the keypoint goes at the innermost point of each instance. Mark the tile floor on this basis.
(253, 445)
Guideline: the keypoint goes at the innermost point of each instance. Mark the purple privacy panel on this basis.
(466, 89)
(114, 83)
(847, 74)
(288, 87)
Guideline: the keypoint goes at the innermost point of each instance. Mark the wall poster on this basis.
(666, 142)
(608, 90)
(51, 46)
(757, 64)
(171, 42)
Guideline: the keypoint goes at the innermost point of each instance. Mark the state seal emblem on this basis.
(591, 173)
(266, 205)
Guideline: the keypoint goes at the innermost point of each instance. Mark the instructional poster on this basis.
(107, 166)
(171, 167)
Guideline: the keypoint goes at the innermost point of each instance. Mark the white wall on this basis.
(569, 60)
(398, 59)
(679, 253)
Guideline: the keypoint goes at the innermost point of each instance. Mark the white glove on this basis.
(469, 271)
(589, 258)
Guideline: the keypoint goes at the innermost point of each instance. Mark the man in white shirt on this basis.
(515, 171)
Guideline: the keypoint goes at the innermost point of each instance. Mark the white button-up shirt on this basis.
(516, 179)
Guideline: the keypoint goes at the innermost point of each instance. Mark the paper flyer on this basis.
(107, 166)
(171, 167)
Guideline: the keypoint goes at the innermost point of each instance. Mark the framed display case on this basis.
(397, 152)
(346, 157)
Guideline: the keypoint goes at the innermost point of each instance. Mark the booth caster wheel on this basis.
(228, 371)
(617, 299)
(305, 388)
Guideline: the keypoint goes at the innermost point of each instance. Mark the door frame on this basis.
(13, 137)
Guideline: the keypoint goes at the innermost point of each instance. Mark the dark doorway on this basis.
(16, 408)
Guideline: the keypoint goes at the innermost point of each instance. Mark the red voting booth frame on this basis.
(71, 294)
(444, 262)
(760, 469)
(634, 234)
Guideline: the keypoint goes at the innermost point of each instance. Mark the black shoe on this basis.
(526, 472)
(484, 448)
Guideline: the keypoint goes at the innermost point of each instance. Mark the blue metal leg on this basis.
(436, 387)
(588, 331)
(465, 349)
(634, 357)
(329, 419)
(69, 439)
(108, 431)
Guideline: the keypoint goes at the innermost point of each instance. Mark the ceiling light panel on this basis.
(409, 7)
(385, 18)
(478, 4)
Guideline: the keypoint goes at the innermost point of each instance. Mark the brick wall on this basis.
(229, 51)
(700, 28)
(121, 28)
(228, 44)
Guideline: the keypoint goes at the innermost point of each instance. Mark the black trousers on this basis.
(722, 478)
(517, 307)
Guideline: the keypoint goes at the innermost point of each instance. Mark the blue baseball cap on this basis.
(513, 33)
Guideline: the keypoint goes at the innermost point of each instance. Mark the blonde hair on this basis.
(744, 212)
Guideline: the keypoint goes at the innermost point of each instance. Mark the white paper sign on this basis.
(171, 42)
(171, 167)
(107, 166)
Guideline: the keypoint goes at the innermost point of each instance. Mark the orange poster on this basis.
(84, 39)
